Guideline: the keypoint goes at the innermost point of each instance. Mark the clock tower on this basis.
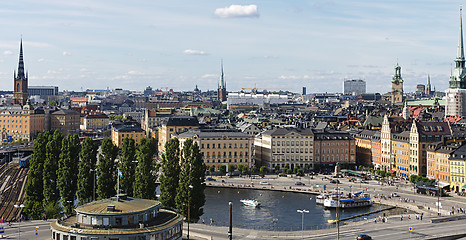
(397, 86)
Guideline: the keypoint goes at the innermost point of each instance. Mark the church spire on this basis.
(460, 53)
(222, 80)
(21, 62)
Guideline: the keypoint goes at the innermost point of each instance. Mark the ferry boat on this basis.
(321, 198)
(359, 199)
(250, 202)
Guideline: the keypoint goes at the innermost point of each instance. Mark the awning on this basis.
(464, 186)
(392, 171)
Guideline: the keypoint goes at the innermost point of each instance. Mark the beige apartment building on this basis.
(332, 147)
(21, 123)
(174, 125)
(221, 147)
(285, 147)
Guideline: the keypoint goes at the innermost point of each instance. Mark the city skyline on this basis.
(316, 44)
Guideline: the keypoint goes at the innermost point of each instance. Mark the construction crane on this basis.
(253, 90)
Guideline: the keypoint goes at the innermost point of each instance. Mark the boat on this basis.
(250, 202)
(321, 198)
(359, 199)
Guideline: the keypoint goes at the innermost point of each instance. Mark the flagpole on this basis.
(118, 186)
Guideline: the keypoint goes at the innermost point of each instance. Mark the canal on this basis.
(278, 210)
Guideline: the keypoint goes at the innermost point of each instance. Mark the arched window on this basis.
(18, 88)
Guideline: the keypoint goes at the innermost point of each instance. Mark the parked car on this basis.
(210, 179)
(282, 175)
(363, 237)
(299, 184)
(334, 181)
(395, 195)
(264, 183)
(364, 181)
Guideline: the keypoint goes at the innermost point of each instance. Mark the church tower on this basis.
(456, 93)
(20, 87)
(428, 87)
(222, 87)
(397, 86)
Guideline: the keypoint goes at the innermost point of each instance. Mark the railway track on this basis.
(13, 193)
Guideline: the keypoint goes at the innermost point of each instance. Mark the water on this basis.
(278, 210)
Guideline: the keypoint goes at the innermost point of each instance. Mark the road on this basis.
(28, 230)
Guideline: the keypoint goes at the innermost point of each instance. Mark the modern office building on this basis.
(43, 91)
(354, 87)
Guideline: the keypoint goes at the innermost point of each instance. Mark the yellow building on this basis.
(95, 121)
(458, 170)
(128, 128)
(221, 147)
(400, 153)
(174, 125)
(21, 123)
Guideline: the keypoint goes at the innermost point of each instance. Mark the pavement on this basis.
(394, 226)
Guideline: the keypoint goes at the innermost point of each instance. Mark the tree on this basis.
(144, 186)
(127, 166)
(35, 184)
(53, 149)
(254, 169)
(211, 169)
(170, 176)
(231, 168)
(222, 169)
(52, 103)
(192, 182)
(263, 169)
(86, 177)
(106, 176)
(300, 172)
(68, 171)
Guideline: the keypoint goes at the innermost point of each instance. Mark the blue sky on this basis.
(277, 44)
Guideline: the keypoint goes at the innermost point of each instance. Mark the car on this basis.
(282, 175)
(334, 181)
(264, 183)
(364, 181)
(299, 184)
(210, 179)
(395, 195)
(363, 237)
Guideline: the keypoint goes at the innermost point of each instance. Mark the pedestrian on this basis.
(422, 214)
(203, 222)
(401, 217)
(211, 221)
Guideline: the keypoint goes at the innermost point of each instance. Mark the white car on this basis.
(264, 183)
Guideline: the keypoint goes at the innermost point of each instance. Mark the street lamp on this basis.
(19, 226)
(189, 199)
(302, 220)
(438, 193)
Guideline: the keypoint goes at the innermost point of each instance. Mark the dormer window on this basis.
(426, 128)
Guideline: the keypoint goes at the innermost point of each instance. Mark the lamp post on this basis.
(230, 218)
(189, 199)
(19, 226)
(337, 212)
(302, 220)
(438, 193)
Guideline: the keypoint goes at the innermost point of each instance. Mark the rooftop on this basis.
(123, 206)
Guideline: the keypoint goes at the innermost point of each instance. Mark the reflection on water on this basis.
(278, 210)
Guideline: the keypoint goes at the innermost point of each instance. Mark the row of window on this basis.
(292, 150)
(224, 160)
(291, 158)
(235, 154)
(230, 145)
(343, 150)
(292, 143)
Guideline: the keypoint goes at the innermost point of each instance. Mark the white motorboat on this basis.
(250, 202)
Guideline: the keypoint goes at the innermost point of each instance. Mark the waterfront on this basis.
(278, 211)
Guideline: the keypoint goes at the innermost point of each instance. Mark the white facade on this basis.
(456, 102)
(354, 87)
(255, 99)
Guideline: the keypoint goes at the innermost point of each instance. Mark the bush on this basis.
(263, 170)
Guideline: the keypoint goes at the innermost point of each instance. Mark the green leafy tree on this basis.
(192, 182)
(68, 171)
(222, 169)
(86, 177)
(211, 169)
(53, 210)
(170, 176)
(144, 186)
(127, 166)
(254, 169)
(300, 172)
(35, 184)
(231, 168)
(106, 175)
(52, 103)
(263, 169)
(244, 170)
(53, 149)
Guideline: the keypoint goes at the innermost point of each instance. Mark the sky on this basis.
(273, 44)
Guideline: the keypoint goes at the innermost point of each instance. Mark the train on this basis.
(24, 162)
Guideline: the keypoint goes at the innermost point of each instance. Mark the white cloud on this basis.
(7, 52)
(133, 72)
(237, 11)
(194, 52)
(51, 72)
(65, 53)
(40, 60)
(294, 77)
(209, 75)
